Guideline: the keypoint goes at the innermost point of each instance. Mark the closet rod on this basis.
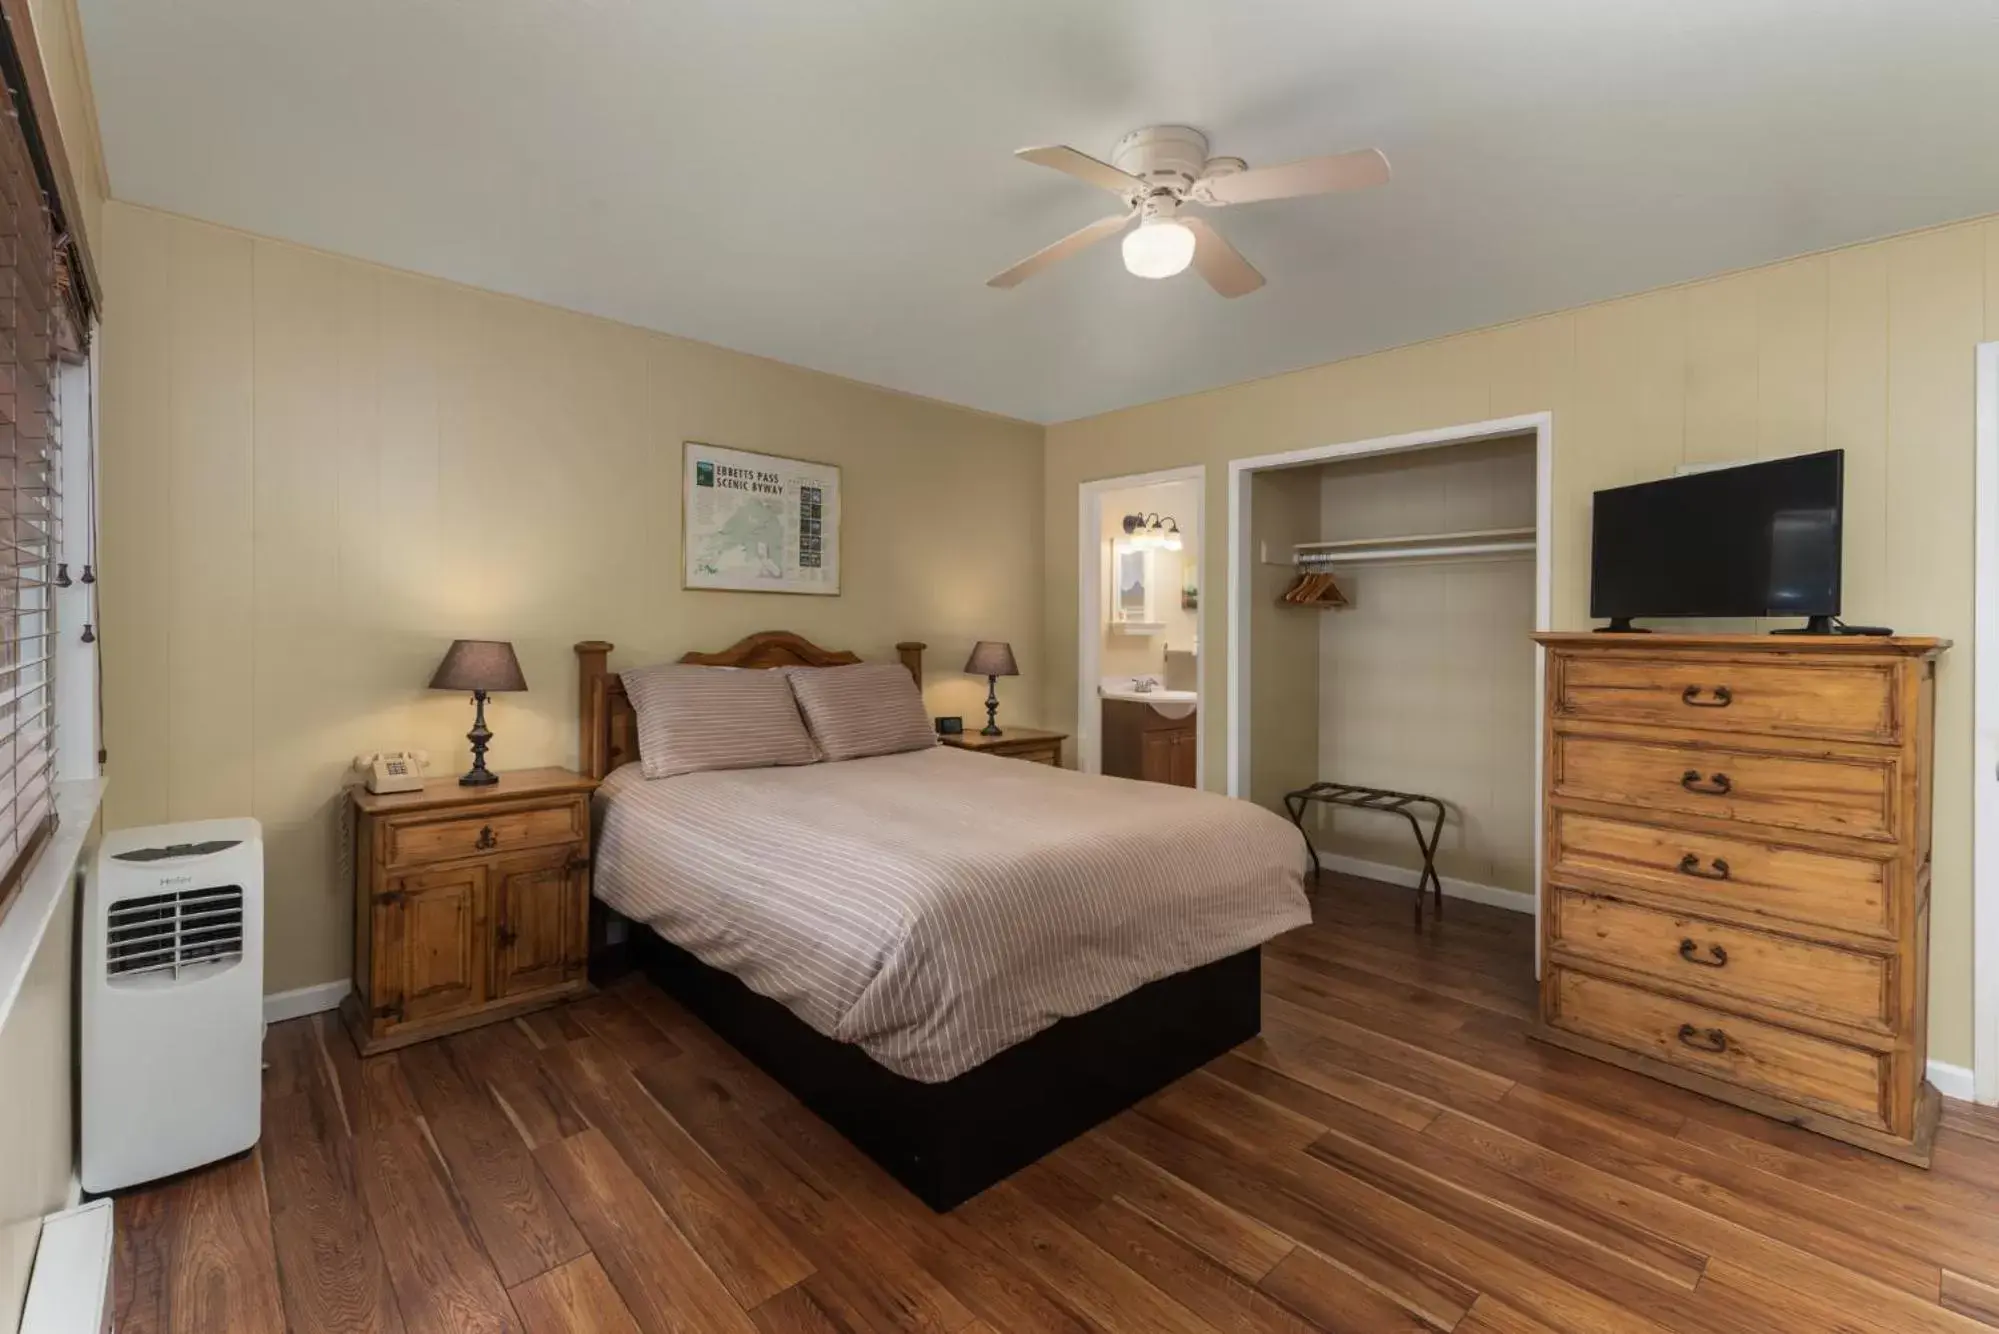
(1422, 539)
(1364, 554)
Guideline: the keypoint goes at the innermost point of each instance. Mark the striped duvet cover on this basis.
(936, 906)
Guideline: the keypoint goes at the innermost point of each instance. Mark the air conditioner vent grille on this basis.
(168, 933)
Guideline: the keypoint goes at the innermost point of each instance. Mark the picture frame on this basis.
(758, 523)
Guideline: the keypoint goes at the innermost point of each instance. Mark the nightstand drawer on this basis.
(415, 840)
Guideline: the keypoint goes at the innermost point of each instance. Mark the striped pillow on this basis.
(871, 708)
(696, 718)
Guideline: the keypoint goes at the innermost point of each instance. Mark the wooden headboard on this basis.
(608, 734)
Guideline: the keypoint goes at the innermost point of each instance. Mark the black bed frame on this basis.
(947, 1142)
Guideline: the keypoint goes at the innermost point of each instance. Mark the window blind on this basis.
(32, 296)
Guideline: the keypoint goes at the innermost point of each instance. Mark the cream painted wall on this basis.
(1139, 655)
(317, 472)
(1868, 349)
(1284, 669)
(1426, 683)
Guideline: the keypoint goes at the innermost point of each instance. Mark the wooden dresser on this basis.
(1736, 897)
(471, 904)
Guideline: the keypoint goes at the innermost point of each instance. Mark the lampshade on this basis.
(479, 664)
(991, 657)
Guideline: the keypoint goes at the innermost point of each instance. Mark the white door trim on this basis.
(1985, 736)
(1242, 561)
(1090, 607)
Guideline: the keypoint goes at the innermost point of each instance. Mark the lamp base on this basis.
(992, 727)
(479, 775)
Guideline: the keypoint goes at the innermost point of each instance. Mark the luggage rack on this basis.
(1355, 797)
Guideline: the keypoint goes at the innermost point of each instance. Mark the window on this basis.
(36, 334)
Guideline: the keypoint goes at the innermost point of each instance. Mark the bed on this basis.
(959, 962)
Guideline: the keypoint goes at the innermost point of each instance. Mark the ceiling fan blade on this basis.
(1083, 167)
(1219, 262)
(1307, 176)
(1061, 250)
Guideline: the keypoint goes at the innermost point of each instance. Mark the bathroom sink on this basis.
(1174, 704)
(1155, 696)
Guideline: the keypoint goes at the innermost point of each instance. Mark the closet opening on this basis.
(1382, 595)
(1139, 700)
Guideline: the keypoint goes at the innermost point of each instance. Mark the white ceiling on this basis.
(829, 182)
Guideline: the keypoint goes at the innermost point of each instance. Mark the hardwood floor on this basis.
(1391, 1155)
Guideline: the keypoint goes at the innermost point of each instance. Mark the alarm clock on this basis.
(950, 727)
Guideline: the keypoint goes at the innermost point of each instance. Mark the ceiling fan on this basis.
(1157, 171)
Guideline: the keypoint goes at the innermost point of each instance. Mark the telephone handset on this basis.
(393, 770)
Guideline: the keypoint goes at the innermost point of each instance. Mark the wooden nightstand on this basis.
(471, 904)
(1020, 743)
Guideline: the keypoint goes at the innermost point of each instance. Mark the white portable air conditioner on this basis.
(172, 999)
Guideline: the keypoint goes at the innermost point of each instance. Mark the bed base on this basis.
(947, 1142)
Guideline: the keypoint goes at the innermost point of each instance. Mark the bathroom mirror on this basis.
(1135, 575)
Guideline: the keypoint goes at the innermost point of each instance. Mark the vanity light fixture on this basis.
(1150, 530)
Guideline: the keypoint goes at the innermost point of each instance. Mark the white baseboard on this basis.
(1513, 900)
(282, 1005)
(1953, 1081)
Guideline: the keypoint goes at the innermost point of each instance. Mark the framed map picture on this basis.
(757, 523)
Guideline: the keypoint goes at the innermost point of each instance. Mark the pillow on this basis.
(871, 708)
(697, 718)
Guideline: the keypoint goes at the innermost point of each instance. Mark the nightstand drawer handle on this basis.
(1716, 785)
(1720, 698)
(487, 839)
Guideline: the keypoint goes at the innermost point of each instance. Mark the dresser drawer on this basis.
(416, 839)
(1693, 953)
(1843, 1081)
(1846, 701)
(1736, 874)
(1850, 795)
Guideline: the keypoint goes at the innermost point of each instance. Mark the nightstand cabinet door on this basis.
(542, 902)
(430, 945)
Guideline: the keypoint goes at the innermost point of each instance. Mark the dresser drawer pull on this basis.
(1716, 785)
(1718, 698)
(1703, 1039)
(487, 838)
(1717, 957)
(1691, 865)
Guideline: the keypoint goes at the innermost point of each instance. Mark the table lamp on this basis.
(479, 665)
(992, 659)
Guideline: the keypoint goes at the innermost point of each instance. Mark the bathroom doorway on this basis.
(1142, 566)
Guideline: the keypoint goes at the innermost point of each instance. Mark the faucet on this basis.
(1144, 685)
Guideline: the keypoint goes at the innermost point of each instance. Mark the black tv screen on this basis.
(1757, 540)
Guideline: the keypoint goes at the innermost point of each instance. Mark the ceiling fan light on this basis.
(1158, 249)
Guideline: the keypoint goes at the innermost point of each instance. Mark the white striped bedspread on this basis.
(937, 906)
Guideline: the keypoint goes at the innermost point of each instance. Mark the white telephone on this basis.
(393, 770)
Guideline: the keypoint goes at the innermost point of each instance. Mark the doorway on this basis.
(1139, 598)
(1275, 525)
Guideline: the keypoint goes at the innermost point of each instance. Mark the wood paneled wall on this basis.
(1868, 349)
(318, 472)
(1426, 683)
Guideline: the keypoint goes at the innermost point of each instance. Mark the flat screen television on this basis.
(1762, 539)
